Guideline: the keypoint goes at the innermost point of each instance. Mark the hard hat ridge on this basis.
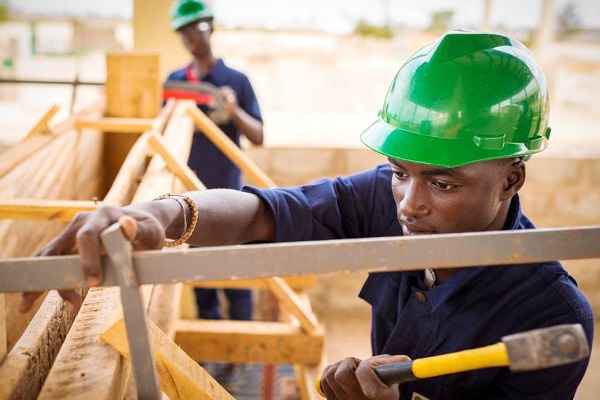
(466, 98)
(184, 12)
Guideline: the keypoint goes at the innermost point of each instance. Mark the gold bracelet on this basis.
(188, 230)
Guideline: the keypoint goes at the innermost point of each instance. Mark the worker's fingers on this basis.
(64, 243)
(72, 300)
(88, 241)
(129, 227)
(370, 384)
(339, 382)
(143, 230)
(26, 301)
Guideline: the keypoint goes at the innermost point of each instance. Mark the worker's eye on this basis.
(444, 186)
(400, 175)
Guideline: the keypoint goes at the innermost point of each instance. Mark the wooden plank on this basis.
(84, 368)
(103, 359)
(3, 344)
(181, 170)
(179, 376)
(277, 286)
(164, 307)
(44, 210)
(249, 341)
(294, 282)
(292, 303)
(175, 153)
(22, 373)
(81, 353)
(133, 85)
(126, 182)
(42, 175)
(305, 379)
(42, 124)
(24, 151)
(230, 149)
(115, 124)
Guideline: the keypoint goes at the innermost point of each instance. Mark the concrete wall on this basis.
(559, 191)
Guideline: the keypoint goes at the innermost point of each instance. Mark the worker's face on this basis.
(469, 198)
(196, 37)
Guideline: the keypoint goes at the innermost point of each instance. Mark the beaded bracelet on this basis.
(188, 230)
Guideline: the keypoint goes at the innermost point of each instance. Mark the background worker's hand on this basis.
(82, 236)
(229, 100)
(353, 378)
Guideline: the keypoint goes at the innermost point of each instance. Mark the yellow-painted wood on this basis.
(42, 125)
(294, 282)
(249, 341)
(292, 303)
(229, 148)
(179, 376)
(44, 210)
(114, 124)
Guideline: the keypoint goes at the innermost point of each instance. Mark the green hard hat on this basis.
(184, 12)
(465, 98)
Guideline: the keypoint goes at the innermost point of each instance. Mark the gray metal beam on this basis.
(317, 257)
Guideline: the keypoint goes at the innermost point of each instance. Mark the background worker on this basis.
(458, 121)
(193, 21)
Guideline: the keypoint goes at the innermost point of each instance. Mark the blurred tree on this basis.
(365, 29)
(4, 12)
(440, 21)
(568, 21)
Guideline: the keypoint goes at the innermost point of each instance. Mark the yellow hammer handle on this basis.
(494, 355)
(318, 386)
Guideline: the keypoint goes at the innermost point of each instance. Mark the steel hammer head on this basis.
(546, 347)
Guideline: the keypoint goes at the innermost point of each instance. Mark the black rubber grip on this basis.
(399, 372)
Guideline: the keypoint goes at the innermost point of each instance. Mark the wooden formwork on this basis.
(104, 155)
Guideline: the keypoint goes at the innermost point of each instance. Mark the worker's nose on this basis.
(413, 201)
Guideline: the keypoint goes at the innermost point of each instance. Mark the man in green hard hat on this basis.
(459, 120)
(233, 105)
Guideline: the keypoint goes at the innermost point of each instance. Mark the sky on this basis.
(335, 15)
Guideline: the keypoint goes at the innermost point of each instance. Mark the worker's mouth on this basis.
(414, 230)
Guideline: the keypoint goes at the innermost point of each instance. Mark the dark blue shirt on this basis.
(474, 308)
(213, 167)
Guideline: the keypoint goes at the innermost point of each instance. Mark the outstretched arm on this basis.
(224, 217)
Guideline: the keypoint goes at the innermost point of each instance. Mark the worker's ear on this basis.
(514, 178)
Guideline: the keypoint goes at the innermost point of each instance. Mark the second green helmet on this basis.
(185, 12)
(466, 98)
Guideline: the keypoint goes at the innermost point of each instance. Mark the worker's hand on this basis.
(82, 236)
(352, 378)
(229, 100)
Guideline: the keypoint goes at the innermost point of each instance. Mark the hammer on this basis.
(525, 351)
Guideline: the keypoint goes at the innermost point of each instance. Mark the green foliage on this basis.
(440, 21)
(382, 32)
(4, 11)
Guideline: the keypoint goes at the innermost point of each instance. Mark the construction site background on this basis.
(318, 92)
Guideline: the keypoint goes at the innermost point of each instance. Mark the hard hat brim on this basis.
(397, 143)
